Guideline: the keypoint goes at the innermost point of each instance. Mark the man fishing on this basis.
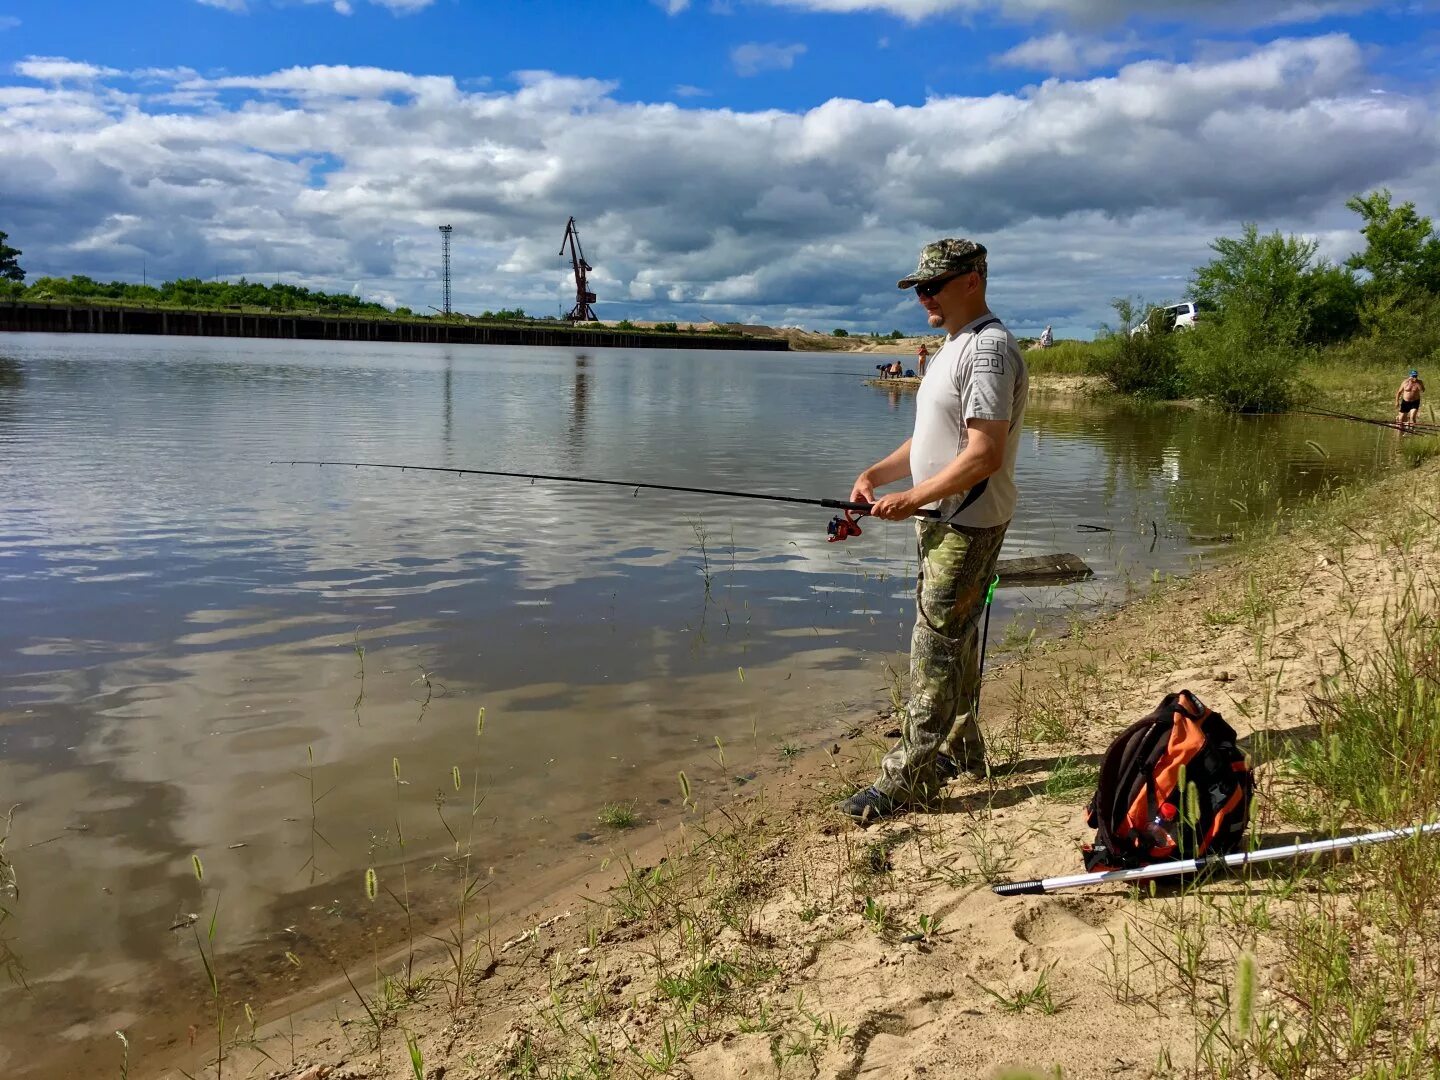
(1407, 399)
(961, 460)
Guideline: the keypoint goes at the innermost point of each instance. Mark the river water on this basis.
(206, 654)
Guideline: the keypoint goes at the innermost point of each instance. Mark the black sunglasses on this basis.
(928, 289)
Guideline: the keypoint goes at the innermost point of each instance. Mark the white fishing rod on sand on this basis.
(1213, 862)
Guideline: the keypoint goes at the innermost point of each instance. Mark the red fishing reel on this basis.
(842, 528)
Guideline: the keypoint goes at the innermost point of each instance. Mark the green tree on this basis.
(1402, 252)
(10, 261)
(839, 332)
(1272, 300)
(1266, 277)
(1332, 297)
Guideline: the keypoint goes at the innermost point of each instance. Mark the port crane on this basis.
(582, 311)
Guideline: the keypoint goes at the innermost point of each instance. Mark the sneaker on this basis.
(949, 769)
(869, 805)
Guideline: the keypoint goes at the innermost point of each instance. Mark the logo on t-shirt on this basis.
(990, 358)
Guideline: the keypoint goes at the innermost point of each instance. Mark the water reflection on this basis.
(579, 400)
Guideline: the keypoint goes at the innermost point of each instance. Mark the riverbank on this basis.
(764, 936)
(51, 318)
(1042, 383)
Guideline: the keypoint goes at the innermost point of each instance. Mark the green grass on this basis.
(1070, 777)
(1379, 735)
(1334, 380)
(1419, 448)
(617, 816)
(1063, 358)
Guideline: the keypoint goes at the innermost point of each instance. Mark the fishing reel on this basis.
(842, 528)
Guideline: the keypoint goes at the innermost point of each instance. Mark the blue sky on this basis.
(717, 154)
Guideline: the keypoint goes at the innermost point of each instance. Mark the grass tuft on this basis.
(618, 816)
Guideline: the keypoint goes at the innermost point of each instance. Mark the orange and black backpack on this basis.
(1172, 786)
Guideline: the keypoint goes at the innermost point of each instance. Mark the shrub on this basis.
(1143, 362)
(625, 324)
(667, 327)
(839, 332)
(1225, 369)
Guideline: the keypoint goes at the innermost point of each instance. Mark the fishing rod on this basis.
(1429, 429)
(839, 529)
(1208, 862)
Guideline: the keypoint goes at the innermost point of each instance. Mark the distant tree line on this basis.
(195, 293)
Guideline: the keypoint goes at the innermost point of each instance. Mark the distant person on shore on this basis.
(961, 460)
(1046, 337)
(921, 355)
(896, 369)
(1407, 399)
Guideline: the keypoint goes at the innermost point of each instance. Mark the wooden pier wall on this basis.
(24, 316)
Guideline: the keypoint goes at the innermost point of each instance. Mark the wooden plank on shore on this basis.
(1059, 569)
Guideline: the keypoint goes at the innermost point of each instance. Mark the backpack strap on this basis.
(1127, 757)
(979, 489)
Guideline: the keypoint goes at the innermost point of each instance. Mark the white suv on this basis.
(1182, 316)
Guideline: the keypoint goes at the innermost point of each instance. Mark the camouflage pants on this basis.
(956, 567)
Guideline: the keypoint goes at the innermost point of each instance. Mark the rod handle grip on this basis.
(1019, 888)
(864, 508)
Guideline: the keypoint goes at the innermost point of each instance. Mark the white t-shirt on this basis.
(974, 376)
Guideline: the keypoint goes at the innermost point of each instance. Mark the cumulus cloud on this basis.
(57, 69)
(1068, 54)
(754, 57)
(1083, 189)
(1094, 12)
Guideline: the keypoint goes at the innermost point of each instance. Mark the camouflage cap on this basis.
(948, 256)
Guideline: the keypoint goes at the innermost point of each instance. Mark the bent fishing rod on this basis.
(1208, 862)
(840, 528)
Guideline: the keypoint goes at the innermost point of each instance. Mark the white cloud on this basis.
(1061, 53)
(685, 90)
(58, 69)
(1083, 189)
(8, 22)
(1095, 12)
(332, 81)
(341, 7)
(754, 57)
(672, 7)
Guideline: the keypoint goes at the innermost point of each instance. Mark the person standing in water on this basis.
(961, 461)
(1407, 400)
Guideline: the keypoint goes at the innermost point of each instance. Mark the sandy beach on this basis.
(766, 937)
